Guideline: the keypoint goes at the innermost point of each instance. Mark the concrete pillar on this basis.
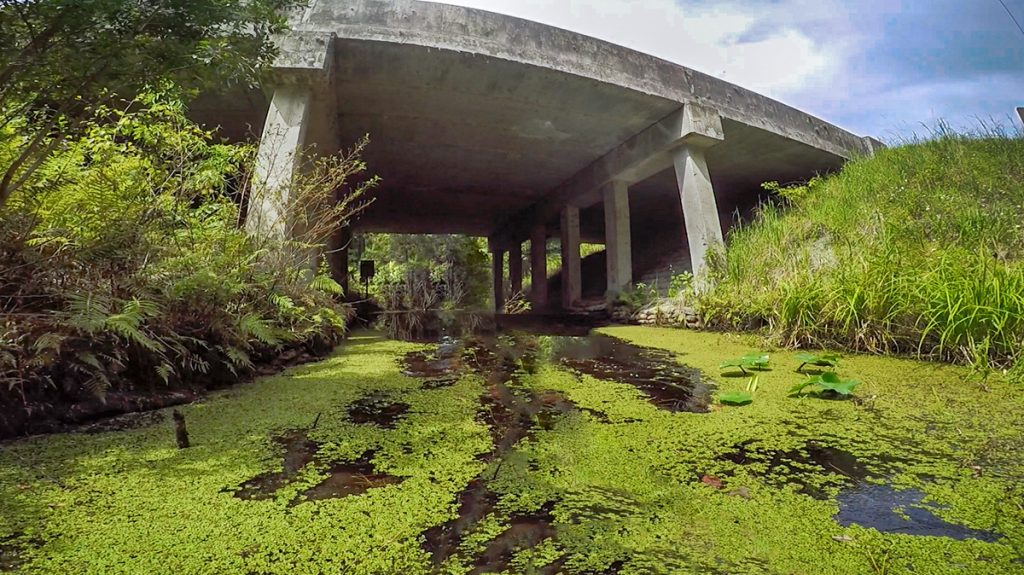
(539, 266)
(337, 257)
(515, 267)
(700, 210)
(572, 287)
(498, 271)
(617, 241)
(278, 160)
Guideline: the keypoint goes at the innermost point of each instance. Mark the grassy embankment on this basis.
(919, 250)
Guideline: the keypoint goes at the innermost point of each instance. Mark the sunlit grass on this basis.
(918, 250)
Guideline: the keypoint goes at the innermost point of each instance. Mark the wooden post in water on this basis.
(180, 433)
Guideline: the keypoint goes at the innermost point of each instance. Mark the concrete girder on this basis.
(636, 159)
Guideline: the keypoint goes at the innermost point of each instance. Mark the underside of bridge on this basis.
(492, 126)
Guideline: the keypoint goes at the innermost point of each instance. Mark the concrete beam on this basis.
(515, 267)
(618, 242)
(498, 272)
(303, 57)
(700, 209)
(873, 145)
(572, 287)
(636, 159)
(539, 266)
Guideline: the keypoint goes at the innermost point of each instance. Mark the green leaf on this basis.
(736, 397)
(749, 361)
(831, 382)
(817, 359)
(828, 381)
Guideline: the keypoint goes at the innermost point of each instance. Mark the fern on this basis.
(326, 285)
(252, 326)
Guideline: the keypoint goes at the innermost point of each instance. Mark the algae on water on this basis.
(599, 477)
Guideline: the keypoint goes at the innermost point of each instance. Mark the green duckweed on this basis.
(631, 488)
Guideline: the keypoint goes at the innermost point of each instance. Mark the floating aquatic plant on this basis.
(817, 360)
(755, 361)
(826, 382)
(744, 397)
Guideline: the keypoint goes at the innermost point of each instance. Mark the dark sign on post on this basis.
(366, 270)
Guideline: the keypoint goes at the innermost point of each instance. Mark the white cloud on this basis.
(710, 38)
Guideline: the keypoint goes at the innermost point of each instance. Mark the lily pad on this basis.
(736, 397)
(757, 361)
(817, 359)
(828, 381)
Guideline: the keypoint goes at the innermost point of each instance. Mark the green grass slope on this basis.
(918, 250)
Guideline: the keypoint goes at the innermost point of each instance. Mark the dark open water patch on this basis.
(377, 409)
(348, 479)
(798, 467)
(299, 451)
(525, 531)
(888, 510)
(345, 478)
(12, 551)
(861, 502)
(667, 383)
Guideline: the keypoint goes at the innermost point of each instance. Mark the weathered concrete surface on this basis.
(618, 242)
(487, 125)
(572, 289)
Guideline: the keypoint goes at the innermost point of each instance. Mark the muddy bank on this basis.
(72, 409)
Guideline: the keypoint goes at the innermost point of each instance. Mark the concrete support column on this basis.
(515, 267)
(337, 257)
(617, 240)
(278, 160)
(700, 210)
(572, 287)
(539, 266)
(498, 271)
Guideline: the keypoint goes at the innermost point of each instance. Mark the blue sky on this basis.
(888, 68)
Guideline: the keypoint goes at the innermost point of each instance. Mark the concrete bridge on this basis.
(489, 125)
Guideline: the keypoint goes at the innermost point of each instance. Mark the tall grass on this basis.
(919, 250)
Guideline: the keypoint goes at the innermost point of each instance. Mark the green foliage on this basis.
(124, 264)
(62, 60)
(817, 359)
(638, 296)
(918, 250)
(417, 276)
(681, 285)
(828, 382)
(758, 361)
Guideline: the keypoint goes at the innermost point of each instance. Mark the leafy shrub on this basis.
(124, 266)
